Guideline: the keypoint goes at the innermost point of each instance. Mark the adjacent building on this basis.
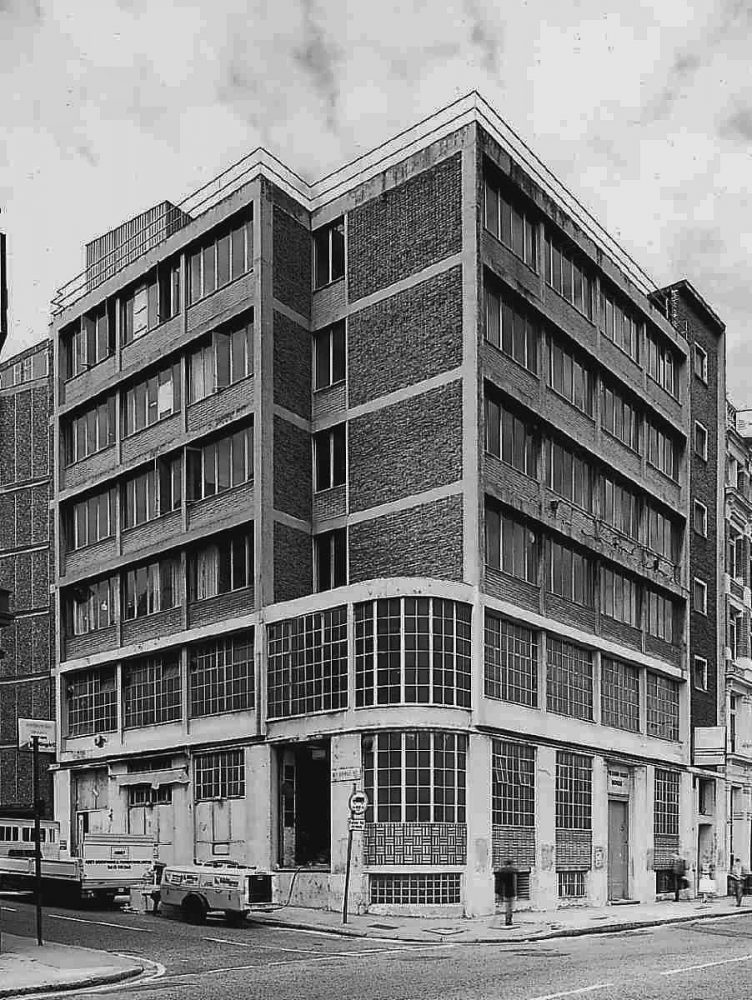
(385, 482)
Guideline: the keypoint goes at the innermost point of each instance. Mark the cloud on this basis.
(318, 57)
(738, 125)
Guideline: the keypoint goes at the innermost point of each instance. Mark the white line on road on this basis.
(706, 965)
(573, 993)
(99, 923)
(264, 947)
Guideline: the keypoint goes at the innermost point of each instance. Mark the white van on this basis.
(198, 889)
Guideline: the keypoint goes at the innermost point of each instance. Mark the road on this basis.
(704, 960)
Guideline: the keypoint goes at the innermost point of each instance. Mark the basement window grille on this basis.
(571, 885)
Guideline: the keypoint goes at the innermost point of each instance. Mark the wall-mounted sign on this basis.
(709, 745)
(43, 729)
(618, 781)
(346, 774)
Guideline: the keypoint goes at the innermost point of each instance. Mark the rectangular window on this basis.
(570, 475)
(568, 277)
(662, 363)
(701, 441)
(569, 377)
(570, 574)
(620, 695)
(225, 256)
(329, 356)
(663, 534)
(412, 650)
(663, 450)
(666, 811)
(219, 775)
(307, 664)
(90, 431)
(328, 253)
(88, 341)
(620, 418)
(91, 606)
(700, 596)
(511, 546)
(415, 777)
(221, 676)
(571, 884)
(511, 222)
(512, 784)
(700, 673)
(150, 302)
(661, 616)
(512, 329)
(90, 520)
(700, 363)
(218, 465)
(152, 691)
(619, 325)
(91, 699)
(153, 399)
(620, 507)
(139, 502)
(662, 707)
(510, 662)
(510, 438)
(330, 458)
(233, 356)
(330, 559)
(620, 597)
(569, 679)
(574, 791)
(152, 587)
(223, 565)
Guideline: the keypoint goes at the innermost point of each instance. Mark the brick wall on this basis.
(293, 566)
(421, 541)
(405, 229)
(406, 338)
(292, 366)
(292, 262)
(406, 448)
(292, 469)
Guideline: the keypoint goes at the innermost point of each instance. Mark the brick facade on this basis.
(292, 366)
(293, 568)
(292, 464)
(291, 262)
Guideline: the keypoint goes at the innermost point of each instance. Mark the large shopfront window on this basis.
(307, 664)
(415, 777)
(410, 650)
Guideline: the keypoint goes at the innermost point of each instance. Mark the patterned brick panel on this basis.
(92, 558)
(217, 510)
(157, 437)
(292, 469)
(222, 406)
(222, 304)
(330, 402)
(293, 568)
(515, 842)
(421, 541)
(94, 642)
(665, 845)
(574, 850)
(506, 588)
(292, 366)
(152, 626)
(406, 338)
(657, 647)
(415, 844)
(292, 262)
(405, 229)
(217, 609)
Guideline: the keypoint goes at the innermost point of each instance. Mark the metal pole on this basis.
(347, 876)
(37, 834)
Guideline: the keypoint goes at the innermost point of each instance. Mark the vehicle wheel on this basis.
(194, 910)
(235, 918)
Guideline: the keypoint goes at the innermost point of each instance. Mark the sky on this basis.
(643, 109)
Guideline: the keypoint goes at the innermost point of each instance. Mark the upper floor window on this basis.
(509, 438)
(570, 475)
(152, 492)
(700, 673)
(91, 701)
(511, 222)
(700, 518)
(570, 378)
(220, 464)
(512, 330)
(619, 325)
(700, 596)
(330, 458)
(663, 451)
(735, 552)
(92, 520)
(568, 277)
(226, 255)
(663, 535)
(620, 597)
(91, 431)
(662, 363)
(701, 441)
(152, 301)
(224, 358)
(329, 356)
(661, 616)
(328, 253)
(700, 363)
(152, 587)
(152, 400)
(89, 341)
(224, 565)
(570, 574)
(511, 546)
(569, 680)
(619, 417)
(91, 606)
(330, 559)
(620, 507)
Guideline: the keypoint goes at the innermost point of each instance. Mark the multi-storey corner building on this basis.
(382, 482)
(736, 620)
(25, 469)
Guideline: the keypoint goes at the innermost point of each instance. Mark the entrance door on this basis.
(618, 849)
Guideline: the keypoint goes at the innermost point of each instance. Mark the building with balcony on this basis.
(379, 482)
(25, 469)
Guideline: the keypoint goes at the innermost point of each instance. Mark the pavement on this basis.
(528, 925)
(27, 968)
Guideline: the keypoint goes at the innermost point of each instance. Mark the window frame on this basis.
(699, 506)
(697, 661)
(700, 587)
(330, 334)
(332, 260)
(703, 453)
(701, 355)
(336, 541)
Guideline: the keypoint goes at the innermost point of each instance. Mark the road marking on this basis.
(263, 947)
(573, 993)
(99, 923)
(706, 965)
(9, 909)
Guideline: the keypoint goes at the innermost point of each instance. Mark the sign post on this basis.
(39, 735)
(358, 804)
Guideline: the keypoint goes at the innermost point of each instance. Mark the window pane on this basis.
(238, 251)
(222, 346)
(322, 361)
(210, 275)
(223, 260)
(224, 475)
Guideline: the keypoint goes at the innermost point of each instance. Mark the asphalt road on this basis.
(705, 960)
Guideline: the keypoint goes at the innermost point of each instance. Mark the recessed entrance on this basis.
(305, 805)
(618, 849)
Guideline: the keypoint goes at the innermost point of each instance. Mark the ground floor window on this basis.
(429, 889)
(523, 885)
(220, 775)
(571, 885)
(145, 795)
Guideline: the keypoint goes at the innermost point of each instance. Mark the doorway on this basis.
(305, 805)
(618, 849)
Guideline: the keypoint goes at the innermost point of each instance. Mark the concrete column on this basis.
(346, 753)
(642, 878)
(598, 891)
(479, 886)
(687, 828)
(544, 891)
(259, 836)
(61, 794)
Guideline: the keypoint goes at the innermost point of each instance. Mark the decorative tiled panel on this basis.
(215, 609)
(664, 847)
(153, 626)
(215, 510)
(415, 844)
(90, 559)
(221, 406)
(90, 469)
(506, 588)
(330, 503)
(330, 402)
(574, 850)
(513, 842)
(146, 442)
(92, 642)
(161, 529)
(657, 647)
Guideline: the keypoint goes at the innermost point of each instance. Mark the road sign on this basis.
(357, 823)
(43, 729)
(358, 804)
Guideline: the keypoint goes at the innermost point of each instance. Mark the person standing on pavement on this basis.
(737, 880)
(508, 886)
(678, 867)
